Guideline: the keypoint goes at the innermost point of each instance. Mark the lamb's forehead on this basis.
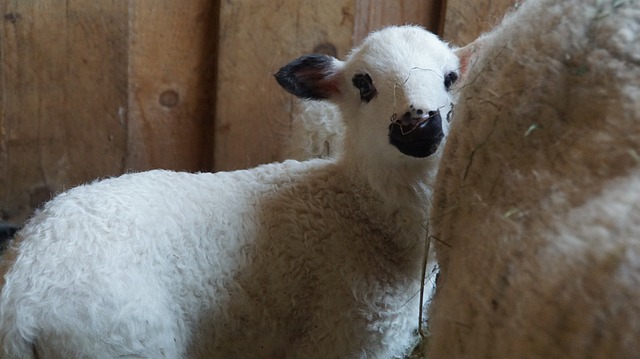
(403, 46)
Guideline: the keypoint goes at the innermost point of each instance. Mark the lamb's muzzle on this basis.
(417, 134)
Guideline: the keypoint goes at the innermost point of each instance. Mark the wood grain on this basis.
(172, 59)
(374, 14)
(63, 82)
(91, 89)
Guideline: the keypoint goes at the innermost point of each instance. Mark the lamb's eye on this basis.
(364, 84)
(450, 79)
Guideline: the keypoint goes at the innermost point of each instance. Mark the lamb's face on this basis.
(400, 90)
(393, 90)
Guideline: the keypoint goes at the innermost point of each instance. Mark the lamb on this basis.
(312, 259)
(536, 205)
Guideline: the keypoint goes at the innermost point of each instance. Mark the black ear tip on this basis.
(285, 78)
(280, 77)
(308, 76)
(288, 80)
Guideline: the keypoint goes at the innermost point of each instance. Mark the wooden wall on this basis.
(90, 89)
(63, 83)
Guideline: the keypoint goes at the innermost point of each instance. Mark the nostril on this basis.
(432, 113)
(419, 112)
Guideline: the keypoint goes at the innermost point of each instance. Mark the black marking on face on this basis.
(417, 136)
(365, 85)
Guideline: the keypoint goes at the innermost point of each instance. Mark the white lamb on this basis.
(315, 259)
(537, 203)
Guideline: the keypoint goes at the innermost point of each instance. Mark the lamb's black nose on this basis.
(417, 133)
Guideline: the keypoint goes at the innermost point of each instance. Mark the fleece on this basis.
(537, 201)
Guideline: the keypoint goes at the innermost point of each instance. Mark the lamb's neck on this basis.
(402, 187)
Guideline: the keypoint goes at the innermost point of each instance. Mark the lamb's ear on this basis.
(315, 77)
(467, 55)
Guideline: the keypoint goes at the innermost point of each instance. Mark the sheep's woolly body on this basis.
(537, 203)
(314, 259)
(239, 291)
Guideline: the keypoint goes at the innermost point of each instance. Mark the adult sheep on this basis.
(537, 203)
(315, 259)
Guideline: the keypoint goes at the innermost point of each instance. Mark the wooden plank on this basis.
(172, 62)
(63, 89)
(466, 20)
(374, 14)
(252, 120)
(94, 89)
